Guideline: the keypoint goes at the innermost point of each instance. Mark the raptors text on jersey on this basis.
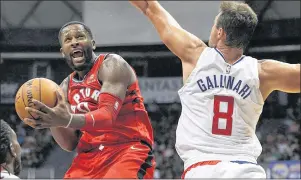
(84, 93)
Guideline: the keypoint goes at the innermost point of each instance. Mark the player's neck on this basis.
(81, 74)
(231, 55)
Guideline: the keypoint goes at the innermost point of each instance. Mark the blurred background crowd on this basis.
(29, 48)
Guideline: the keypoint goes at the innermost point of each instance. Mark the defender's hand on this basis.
(57, 116)
(141, 5)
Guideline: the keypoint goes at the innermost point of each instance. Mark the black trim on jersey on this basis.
(147, 162)
(104, 58)
(146, 143)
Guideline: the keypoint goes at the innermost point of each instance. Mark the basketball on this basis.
(40, 89)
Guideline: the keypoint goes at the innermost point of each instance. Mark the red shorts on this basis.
(129, 160)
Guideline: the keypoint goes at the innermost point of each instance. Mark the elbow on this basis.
(69, 144)
(69, 147)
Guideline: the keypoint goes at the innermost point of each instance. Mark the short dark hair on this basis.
(239, 22)
(75, 22)
(5, 140)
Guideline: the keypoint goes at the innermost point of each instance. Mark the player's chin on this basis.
(79, 66)
(78, 60)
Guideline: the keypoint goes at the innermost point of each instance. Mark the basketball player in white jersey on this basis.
(10, 152)
(223, 93)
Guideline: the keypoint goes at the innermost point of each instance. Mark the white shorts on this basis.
(226, 169)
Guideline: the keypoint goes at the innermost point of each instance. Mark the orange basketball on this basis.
(41, 89)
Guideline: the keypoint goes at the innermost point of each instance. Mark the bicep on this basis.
(115, 74)
(282, 76)
(289, 78)
(185, 45)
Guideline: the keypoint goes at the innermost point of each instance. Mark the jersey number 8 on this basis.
(226, 115)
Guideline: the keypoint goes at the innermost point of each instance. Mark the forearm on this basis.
(182, 43)
(101, 118)
(65, 137)
(161, 19)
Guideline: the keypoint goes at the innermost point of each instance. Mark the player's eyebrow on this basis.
(67, 33)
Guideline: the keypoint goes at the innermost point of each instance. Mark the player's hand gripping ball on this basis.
(36, 90)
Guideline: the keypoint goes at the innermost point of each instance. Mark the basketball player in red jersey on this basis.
(105, 103)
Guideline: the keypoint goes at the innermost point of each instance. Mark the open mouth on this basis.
(77, 54)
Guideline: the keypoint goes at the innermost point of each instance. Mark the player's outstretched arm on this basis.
(182, 43)
(67, 138)
(275, 75)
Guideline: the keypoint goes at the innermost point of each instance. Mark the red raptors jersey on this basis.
(132, 123)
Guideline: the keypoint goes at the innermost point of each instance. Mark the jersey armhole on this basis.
(256, 74)
(191, 75)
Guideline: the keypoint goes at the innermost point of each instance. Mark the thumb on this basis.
(59, 96)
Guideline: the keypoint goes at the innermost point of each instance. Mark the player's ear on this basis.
(93, 45)
(61, 50)
(220, 33)
(12, 150)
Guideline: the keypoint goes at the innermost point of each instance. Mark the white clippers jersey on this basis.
(221, 104)
(6, 175)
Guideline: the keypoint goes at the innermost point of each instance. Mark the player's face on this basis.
(16, 153)
(77, 47)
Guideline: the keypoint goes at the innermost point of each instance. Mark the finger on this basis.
(37, 112)
(42, 126)
(41, 106)
(36, 123)
(31, 122)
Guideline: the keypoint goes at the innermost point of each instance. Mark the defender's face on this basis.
(77, 47)
(213, 35)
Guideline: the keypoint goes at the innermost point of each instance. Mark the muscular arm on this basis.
(182, 43)
(115, 75)
(67, 138)
(275, 75)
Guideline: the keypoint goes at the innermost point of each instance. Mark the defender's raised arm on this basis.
(183, 44)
